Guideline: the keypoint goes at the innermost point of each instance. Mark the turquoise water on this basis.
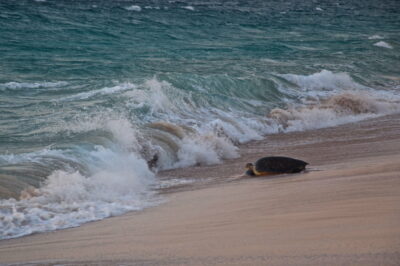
(92, 91)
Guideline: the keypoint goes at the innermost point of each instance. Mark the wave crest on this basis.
(118, 183)
(102, 169)
(323, 80)
(335, 110)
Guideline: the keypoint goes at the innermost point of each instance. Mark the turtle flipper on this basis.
(250, 173)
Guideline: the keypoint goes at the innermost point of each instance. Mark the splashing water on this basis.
(98, 96)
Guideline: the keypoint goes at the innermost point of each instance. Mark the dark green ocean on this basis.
(97, 96)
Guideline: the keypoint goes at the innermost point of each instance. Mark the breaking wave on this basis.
(68, 198)
(336, 110)
(109, 163)
(316, 84)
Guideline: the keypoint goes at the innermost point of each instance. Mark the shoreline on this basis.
(345, 209)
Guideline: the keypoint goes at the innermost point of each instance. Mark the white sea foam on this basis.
(375, 37)
(34, 85)
(383, 44)
(164, 101)
(134, 8)
(204, 150)
(103, 91)
(214, 133)
(191, 8)
(313, 118)
(119, 183)
(237, 129)
(330, 99)
(182, 133)
(200, 146)
(319, 82)
(319, 9)
(152, 7)
(124, 132)
(174, 182)
(335, 110)
(277, 63)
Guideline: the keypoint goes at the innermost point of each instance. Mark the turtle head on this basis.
(250, 169)
(249, 166)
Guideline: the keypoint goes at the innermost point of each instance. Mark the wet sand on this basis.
(344, 211)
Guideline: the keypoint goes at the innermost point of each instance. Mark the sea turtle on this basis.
(275, 165)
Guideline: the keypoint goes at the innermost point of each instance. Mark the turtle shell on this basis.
(278, 164)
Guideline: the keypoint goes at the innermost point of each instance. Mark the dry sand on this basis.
(344, 211)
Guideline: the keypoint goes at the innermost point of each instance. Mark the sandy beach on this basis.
(344, 211)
